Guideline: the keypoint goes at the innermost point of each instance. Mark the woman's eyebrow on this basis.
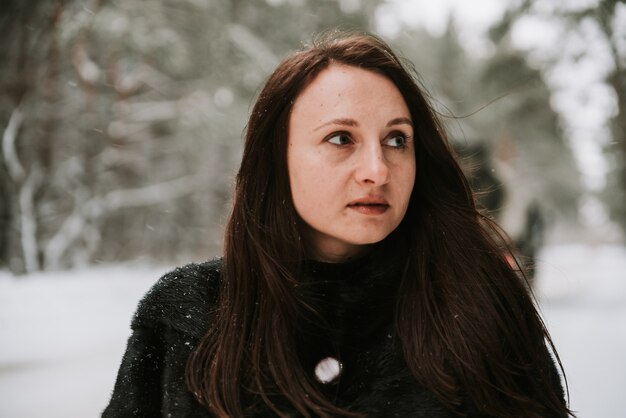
(354, 123)
(400, 121)
(339, 121)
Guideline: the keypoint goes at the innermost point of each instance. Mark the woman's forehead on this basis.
(348, 92)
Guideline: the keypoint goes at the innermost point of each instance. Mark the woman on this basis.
(358, 277)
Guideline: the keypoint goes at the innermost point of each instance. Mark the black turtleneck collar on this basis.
(354, 303)
(381, 267)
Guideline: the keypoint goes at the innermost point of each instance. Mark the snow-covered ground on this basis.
(62, 334)
(583, 295)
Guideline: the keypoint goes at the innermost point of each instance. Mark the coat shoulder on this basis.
(182, 299)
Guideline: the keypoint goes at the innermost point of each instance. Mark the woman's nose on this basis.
(372, 166)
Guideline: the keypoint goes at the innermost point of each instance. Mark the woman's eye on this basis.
(396, 141)
(339, 139)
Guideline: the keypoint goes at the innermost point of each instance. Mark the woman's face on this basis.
(351, 160)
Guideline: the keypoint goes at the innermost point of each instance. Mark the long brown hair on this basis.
(465, 322)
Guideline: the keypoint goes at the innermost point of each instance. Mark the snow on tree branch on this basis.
(146, 196)
(16, 171)
(253, 46)
(86, 212)
(28, 219)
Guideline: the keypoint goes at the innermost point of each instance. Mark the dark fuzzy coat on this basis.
(175, 314)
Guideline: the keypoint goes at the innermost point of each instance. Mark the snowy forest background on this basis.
(121, 129)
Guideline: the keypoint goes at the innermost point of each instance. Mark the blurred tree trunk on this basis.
(29, 58)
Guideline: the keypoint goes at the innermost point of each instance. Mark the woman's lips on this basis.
(369, 205)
